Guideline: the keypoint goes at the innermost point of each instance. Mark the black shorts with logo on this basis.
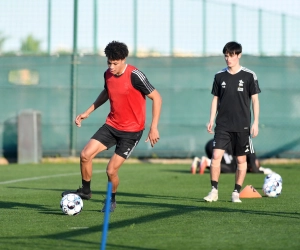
(240, 142)
(125, 141)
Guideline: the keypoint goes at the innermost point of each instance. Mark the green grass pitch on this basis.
(158, 207)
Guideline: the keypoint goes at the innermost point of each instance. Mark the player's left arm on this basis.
(153, 135)
(141, 83)
(255, 108)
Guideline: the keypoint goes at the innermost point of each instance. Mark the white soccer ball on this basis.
(71, 204)
(273, 176)
(272, 188)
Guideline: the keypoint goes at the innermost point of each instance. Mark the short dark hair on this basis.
(116, 51)
(232, 48)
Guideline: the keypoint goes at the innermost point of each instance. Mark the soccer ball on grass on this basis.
(71, 204)
(273, 176)
(272, 188)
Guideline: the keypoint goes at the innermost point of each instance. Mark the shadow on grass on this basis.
(103, 194)
(129, 247)
(171, 210)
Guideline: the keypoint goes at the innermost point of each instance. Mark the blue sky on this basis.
(115, 22)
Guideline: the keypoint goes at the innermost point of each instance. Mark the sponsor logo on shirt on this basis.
(223, 84)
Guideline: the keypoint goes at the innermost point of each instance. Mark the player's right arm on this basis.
(213, 112)
(102, 98)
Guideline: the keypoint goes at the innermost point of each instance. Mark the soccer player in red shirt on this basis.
(126, 88)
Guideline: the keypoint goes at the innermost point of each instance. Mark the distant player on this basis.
(228, 162)
(126, 88)
(233, 89)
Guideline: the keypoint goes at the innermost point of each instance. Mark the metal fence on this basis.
(43, 84)
(149, 28)
(50, 62)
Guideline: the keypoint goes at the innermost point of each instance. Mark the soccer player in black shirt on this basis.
(233, 89)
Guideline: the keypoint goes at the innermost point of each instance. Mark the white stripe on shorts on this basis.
(129, 153)
(251, 145)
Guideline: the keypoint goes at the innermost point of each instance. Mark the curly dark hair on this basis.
(116, 51)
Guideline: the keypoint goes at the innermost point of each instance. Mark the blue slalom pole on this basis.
(106, 216)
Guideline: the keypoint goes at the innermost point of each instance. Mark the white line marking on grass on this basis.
(79, 228)
(46, 177)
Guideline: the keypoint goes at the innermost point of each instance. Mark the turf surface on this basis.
(158, 207)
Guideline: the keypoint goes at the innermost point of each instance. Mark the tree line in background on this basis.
(29, 46)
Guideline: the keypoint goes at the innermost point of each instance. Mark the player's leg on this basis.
(239, 177)
(112, 169)
(113, 166)
(241, 170)
(91, 149)
(215, 166)
(215, 170)
(126, 143)
(242, 145)
(221, 141)
(101, 140)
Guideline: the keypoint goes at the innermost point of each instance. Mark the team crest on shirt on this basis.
(223, 84)
(241, 85)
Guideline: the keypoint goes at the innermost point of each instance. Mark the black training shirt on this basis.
(234, 94)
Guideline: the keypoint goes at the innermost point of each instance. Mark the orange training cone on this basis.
(249, 192)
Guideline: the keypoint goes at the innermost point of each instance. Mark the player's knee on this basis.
(111, 172)
(84, 157)
(217, 155)
(242, 166)
(215, 163)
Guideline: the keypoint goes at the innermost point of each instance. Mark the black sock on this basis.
(214, 184)
(237, 188)
(86, 186)
(113, 197)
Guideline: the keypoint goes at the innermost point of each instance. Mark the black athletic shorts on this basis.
(241, 142)
(125, 141)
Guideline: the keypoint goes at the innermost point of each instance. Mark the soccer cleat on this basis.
(194, 165)
(212, 195)
(113, 205)
(235, 197)
(79, 192)
(203, 165)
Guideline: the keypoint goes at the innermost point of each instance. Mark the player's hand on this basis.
(79, 118)
(153, 136)
(209, 127)
(254, 130)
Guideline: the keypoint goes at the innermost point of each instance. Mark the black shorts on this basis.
(125, 141)
(240, 142)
